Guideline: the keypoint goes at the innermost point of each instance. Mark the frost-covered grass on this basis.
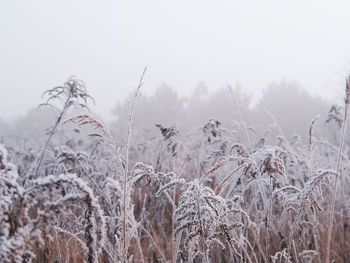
(202, 196)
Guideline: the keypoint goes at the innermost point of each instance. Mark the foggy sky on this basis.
(183, 42)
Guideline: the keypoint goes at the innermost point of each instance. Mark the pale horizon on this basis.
(107, 44)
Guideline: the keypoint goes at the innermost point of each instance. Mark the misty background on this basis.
(285, 61)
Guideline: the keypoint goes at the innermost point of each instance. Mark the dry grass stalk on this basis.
(331, 217)
(73, 93)
(126, 169)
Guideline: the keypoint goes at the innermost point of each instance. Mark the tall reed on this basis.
(331, 217)
(127, 168)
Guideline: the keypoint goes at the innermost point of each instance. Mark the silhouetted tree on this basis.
(292, 107)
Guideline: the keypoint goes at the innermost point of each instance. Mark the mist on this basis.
(187, 131)
(108, 44)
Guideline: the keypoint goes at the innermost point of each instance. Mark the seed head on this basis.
(347, 91)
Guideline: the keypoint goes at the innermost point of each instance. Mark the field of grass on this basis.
(213, 194)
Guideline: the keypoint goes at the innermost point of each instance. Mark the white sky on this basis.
(107, 44)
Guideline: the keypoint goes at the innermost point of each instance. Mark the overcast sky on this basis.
(183, 42)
